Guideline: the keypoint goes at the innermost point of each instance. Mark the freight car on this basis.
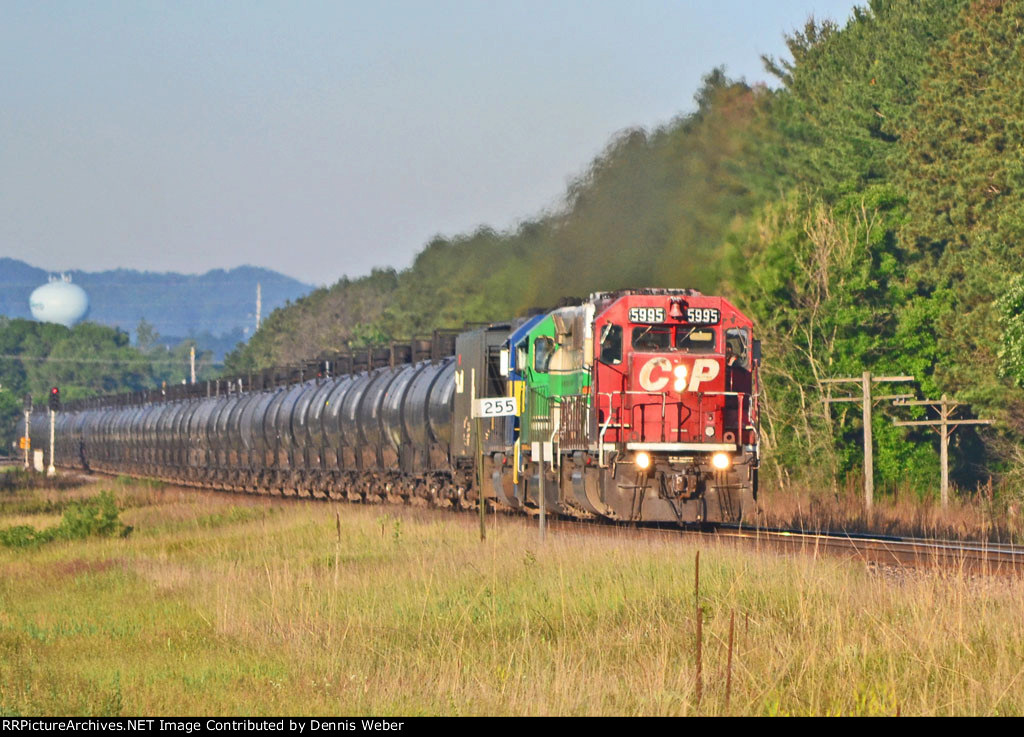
(637, 405)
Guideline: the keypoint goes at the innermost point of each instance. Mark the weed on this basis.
(97, 517)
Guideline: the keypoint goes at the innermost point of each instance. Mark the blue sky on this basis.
(324, 138)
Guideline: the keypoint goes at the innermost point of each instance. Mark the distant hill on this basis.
(217, 307)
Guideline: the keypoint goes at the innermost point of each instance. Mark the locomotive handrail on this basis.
(664, 402)
(600, 441)
(554, 455)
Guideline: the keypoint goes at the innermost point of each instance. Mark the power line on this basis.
(105, 361)
(946, 408)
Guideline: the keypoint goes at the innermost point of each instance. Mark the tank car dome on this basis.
(59, 301)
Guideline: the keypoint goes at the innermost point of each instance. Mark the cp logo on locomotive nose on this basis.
(655, 374)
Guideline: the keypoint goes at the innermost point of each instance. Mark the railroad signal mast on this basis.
(946, 426)
(54, 408)
(26, 444)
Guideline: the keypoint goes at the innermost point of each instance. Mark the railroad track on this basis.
(975, 558)
(882, 550)
(972, 558)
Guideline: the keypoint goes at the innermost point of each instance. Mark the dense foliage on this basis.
(84, 361)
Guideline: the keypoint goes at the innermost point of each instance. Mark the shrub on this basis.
(88, 518)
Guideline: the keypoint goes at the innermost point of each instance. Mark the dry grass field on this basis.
(225, 604)
(980, 516)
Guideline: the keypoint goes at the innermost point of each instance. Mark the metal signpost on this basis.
(542, 520)
(25, 442)
(488, 407)
(51, 470)
(54, 406)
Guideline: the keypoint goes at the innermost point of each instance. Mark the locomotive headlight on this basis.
(643, 461)
(720, 461)
(680, 374)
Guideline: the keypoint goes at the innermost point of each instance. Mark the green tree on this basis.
(825, 285)
(963, 172)
(10, 411)
(83, 361)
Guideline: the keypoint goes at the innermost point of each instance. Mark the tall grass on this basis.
(222, 604)
(981, 516)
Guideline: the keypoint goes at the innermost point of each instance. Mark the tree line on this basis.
(84, 361)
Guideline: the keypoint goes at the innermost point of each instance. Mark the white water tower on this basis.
(59, 301)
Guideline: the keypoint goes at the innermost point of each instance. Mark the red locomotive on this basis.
(646, 404)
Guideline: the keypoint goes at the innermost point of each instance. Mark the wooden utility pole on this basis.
(867, 400)
(945, 407)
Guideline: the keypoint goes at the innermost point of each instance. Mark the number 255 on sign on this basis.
(495, 407)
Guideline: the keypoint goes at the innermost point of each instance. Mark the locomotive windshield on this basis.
(660, 338)
(652, 338)
(695, 340)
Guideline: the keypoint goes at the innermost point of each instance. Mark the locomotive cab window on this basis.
(737, 342)
(652, 338)
(543, 349)
(695, 340)
(522, 356)
(611, 344)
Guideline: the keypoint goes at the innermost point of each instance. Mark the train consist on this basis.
(637, 405)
